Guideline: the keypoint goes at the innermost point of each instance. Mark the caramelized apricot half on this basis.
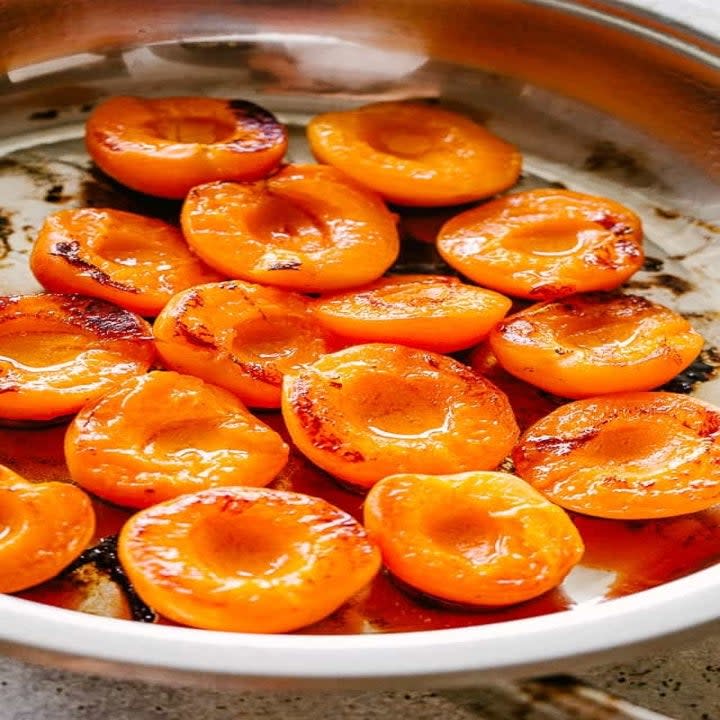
(432, 312)
(474, 538)
(136, 262)
(165, 146)
(627, 456)
(545, 244)
(240, 336)
(374, 410)
(43, 528)
(58, 352)
(415, 154)
(161, 435)
(595, 344)
(306, 228)
(246, 559)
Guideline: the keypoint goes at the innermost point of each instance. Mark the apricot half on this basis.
(165, 146)
(161, 435)
(595, 344)
(136, 262)
(545, 244)
(626, 456)
(474, 538)
(415, 154)
(43, 528)
(246, 559)
(374, 410)
(241, 336)
(307, 228)
(58, 352)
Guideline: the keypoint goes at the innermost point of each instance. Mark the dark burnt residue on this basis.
(104, 557)
(261, 129)
(264, 373)
(70, 251)
(605, 157)
(703, 368)
(670, 214)
(54, 194)
(205, 341)
(50, 114)
(6, 231)
(675, 284)
(103, 319)
(652, 264)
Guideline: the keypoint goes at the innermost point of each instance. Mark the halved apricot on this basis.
(595, 344)
(58, 352)
(306, 228)
(240, 336)
(432, 312)
(43, 528)
(373, 410)
(545, 244)
(474, 538)
(165, 146)
(246, 559)
(415, 154)
(136, 262)
(626, 456)
(161, 435)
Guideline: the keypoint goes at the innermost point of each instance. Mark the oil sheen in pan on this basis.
(52, 171)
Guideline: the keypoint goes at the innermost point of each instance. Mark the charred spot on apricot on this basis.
(102, 319)
(257, 371)
(70, 252)
(286, 265)
(262, 129)
(193, 338)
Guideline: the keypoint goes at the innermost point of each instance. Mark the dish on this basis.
(601, 612)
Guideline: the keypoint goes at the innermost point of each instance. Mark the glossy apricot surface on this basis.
(165, 146)
(626, 456)
(474, 538)
(545, 244)
(241, 336)
(374, 410)
(43, 528)
(58, 352)
(163, 434)
(307, 228)
(133, 261)
(415, 154)
(432, 312)
(595, 344)
(247, 559)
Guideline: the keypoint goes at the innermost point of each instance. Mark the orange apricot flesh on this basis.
(374, 410)
(58, 352)
(431, 312)
(595, 344)
(163, 434)
(415, 154)
(165, 146)
(545, 244)
(307, 228)
(246, 559)
(133, 261)
(43, 528)
(474, 538)
(240, 336)
(627, 456)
